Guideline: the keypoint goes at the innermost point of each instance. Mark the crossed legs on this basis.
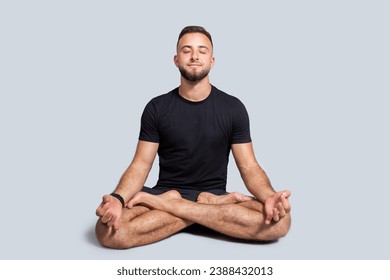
(155, 217)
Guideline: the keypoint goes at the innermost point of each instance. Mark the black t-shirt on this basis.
(194, 137)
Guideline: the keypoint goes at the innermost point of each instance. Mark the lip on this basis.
(194, 65)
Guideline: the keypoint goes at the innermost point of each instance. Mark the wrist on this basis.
(119, 198)
(264, 196)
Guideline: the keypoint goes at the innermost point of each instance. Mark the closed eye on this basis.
(203, 50)
(186, 50)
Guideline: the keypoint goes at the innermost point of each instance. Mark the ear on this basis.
(212, 61)
(176, 60)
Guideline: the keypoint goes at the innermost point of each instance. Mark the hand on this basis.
(110, 211)
(277, 206)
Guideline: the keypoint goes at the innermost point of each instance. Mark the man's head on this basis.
(194, 56)
(194, 29)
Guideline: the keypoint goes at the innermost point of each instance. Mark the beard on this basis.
(193, 76)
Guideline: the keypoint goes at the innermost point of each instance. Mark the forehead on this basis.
(194, 40)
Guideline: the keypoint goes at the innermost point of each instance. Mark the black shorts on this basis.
(189, 194)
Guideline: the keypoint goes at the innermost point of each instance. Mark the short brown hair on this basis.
(194, 29)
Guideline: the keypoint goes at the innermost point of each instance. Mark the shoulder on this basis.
(164, 98)
(227, 100)
(161, 102)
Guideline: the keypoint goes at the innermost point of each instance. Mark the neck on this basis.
(195, 91)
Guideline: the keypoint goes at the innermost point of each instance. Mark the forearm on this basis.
(257, 182)
(131, 181)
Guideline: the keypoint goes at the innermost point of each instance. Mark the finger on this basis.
(106, 199)
(275, 215)
(286, 193)
(277, 195)
(286, 204)
(117, 223)
(282, 211)
(102, 209)
(269, 214)
(106, 217)
(111, 222)
(99, 210)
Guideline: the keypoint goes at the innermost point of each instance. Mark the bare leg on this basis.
(242, 220)
(234, 197)
(139, 226)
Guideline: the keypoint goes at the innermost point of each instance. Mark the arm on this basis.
(256, 180)
(136, 174)
(252, 174)
(131, 182)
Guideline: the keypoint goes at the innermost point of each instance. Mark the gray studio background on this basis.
(76, 75)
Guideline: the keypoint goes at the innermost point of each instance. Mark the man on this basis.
(192, 128)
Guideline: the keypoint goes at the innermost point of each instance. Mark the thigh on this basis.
(129, 214)
(138, 213)
(141, 220)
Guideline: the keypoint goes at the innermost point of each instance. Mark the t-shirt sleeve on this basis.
(149, 124)
(241, 128)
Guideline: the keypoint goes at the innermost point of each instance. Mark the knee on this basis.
(283, 226)
(109, 237)
(275, 231)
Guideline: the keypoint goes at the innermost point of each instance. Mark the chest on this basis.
(186, 126)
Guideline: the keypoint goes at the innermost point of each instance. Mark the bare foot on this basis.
(154, 201)
(230, 198)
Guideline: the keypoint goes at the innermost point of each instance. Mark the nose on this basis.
(194, 56)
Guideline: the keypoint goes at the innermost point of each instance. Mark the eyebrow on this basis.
(200, 47)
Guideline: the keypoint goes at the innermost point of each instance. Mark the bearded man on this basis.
(192, 128)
